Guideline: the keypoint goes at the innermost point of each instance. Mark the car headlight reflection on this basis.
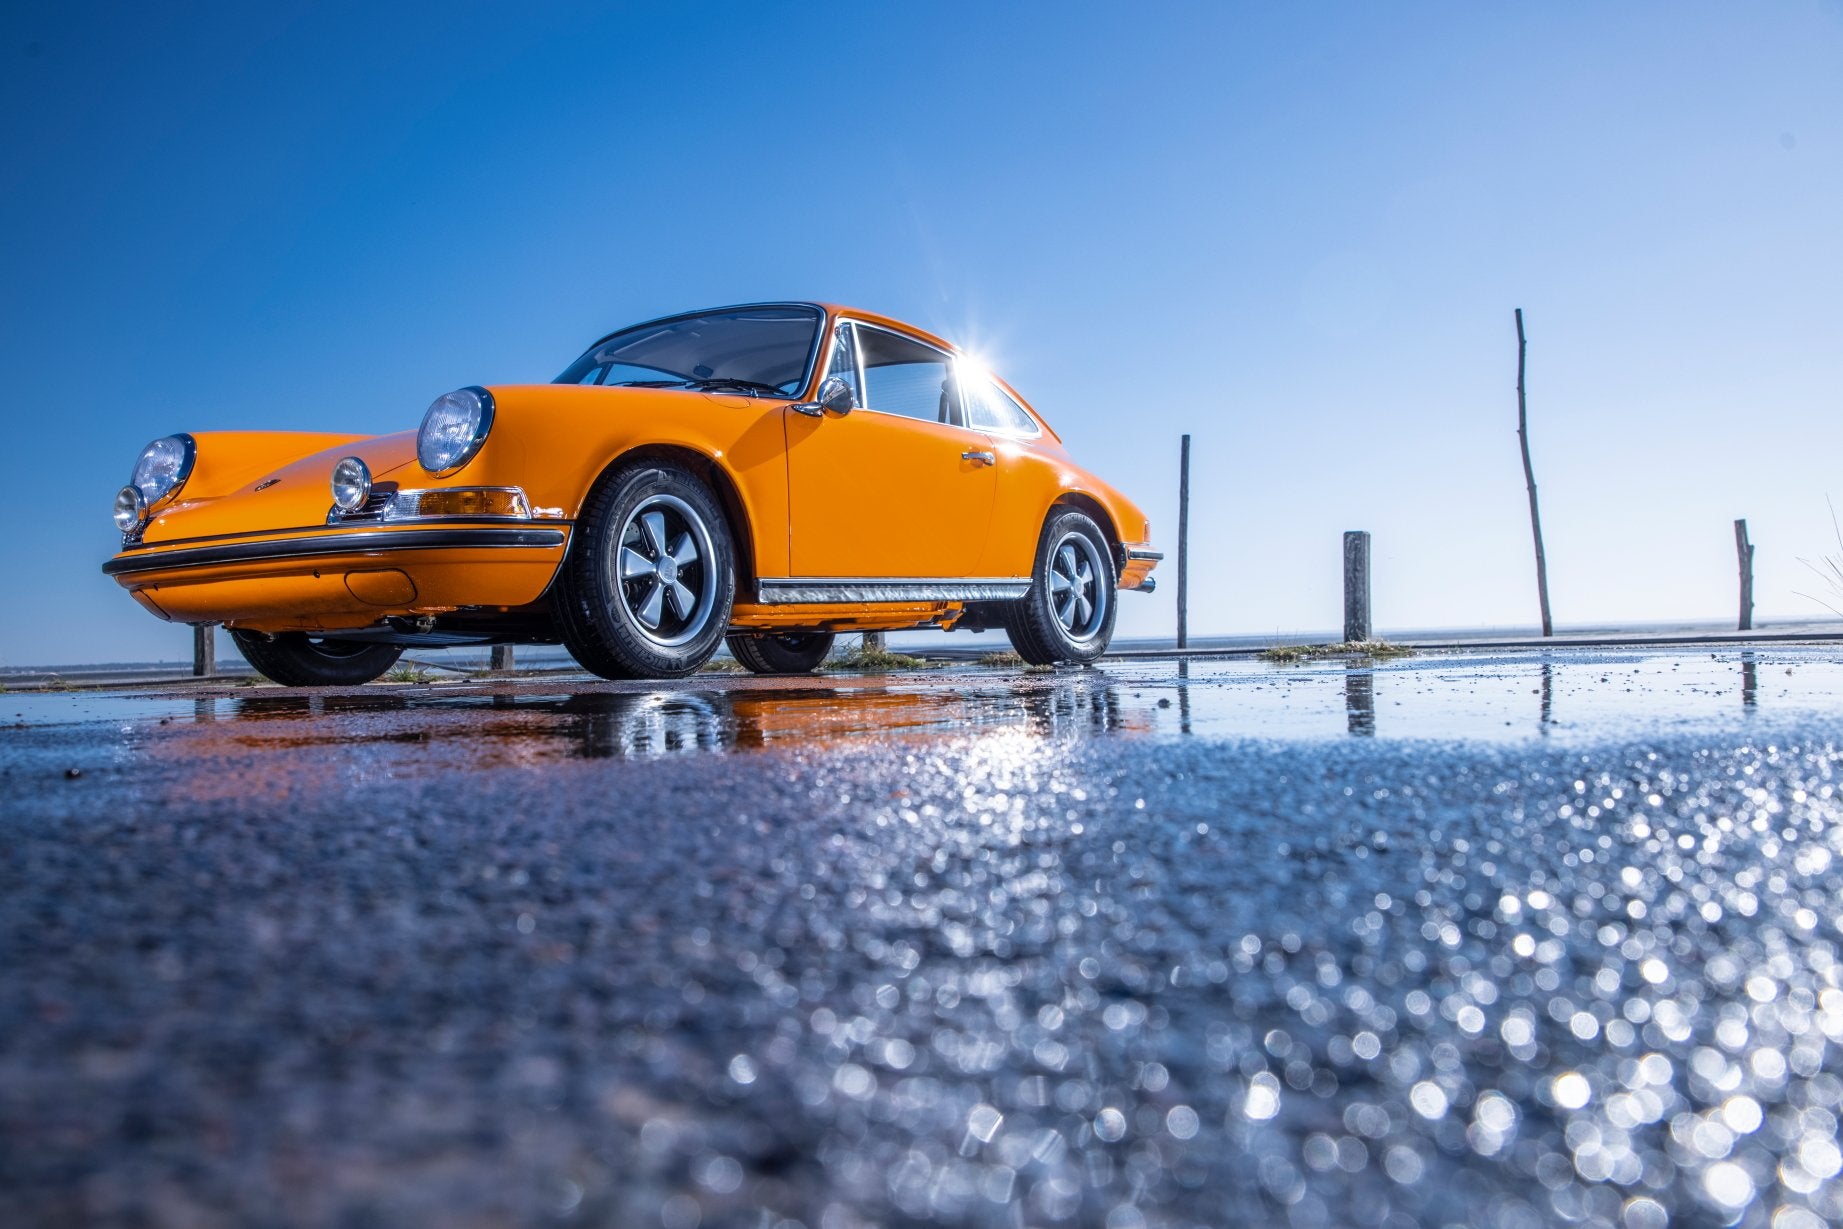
(453, 429)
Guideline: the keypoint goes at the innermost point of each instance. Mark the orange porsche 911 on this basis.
(774, 474)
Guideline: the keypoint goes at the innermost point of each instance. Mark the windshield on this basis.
(757, 349)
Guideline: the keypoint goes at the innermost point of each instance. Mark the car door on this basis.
(898, 487)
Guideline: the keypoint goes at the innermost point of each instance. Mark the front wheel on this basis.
(788, 653)
(1068, 614)
(295, 659)
(647, 588)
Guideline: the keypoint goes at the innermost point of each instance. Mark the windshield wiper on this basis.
(747, 386)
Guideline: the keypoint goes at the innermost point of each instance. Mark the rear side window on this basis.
(907, 377)
(990, 408)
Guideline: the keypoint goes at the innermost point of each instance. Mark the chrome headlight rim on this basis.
(133, 504)
(483, 425)
(155, 495)
(350, 483)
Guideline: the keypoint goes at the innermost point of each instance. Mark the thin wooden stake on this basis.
(1183, 544)
(1744, 549)
(204, 650)
(1529, 477)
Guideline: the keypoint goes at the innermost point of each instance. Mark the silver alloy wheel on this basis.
(1077, 589)
(660, 561)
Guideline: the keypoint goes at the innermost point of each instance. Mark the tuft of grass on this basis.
(409, 672)
(723, 665)
(1374, 650)
(875, 661)
(1002, 657)
(1829, 569)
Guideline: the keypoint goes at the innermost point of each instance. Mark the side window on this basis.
(906, 377)
(844, 362)
(989, 408)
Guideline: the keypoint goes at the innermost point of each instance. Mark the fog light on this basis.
(130, 508)
(351, 484)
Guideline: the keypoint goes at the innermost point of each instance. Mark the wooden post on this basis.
(1183, 544)
(1529, 478)
(204, 650)
(873, 643)
(1744, 549)
(501, 662)
(1356, 586)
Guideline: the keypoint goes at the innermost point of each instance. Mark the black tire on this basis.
(1046, 626)
(295, 659)
(787, 653)
(621, 605)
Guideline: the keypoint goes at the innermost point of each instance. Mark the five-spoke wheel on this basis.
(1068, 614)
(647, 588)
(1075, 572)
(665, 581)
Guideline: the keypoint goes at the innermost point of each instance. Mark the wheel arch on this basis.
(1081, 501)
(722, 485)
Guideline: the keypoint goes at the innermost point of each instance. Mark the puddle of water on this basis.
(44, 708)
(1560, 695)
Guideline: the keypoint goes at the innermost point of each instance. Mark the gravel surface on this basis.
(1463, 941)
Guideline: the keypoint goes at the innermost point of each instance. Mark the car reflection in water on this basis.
(507, 728)
(677, 722)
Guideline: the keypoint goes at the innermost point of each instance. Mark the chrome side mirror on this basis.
(835, 398)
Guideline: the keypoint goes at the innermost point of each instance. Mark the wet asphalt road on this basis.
(1515, 940)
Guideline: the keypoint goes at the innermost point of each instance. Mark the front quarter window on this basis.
(843, 362)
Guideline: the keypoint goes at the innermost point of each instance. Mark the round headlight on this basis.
(130, 508)
(163, 467)
(453, 429)
(351, 484)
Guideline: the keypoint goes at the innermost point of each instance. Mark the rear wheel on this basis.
(789, 653)
(1068, 614)
(295, 659)
(647, 589)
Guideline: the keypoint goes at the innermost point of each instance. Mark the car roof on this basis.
(833, 311)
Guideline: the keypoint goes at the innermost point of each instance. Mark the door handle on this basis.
(984, 458)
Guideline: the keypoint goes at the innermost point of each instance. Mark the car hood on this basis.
(268, 481)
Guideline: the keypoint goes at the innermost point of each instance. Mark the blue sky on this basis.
(1297, 233)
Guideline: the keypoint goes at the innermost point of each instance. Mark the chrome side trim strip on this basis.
(1136, 553)
(810, 590)
(352, 542)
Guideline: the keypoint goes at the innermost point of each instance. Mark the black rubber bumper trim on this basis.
(352, 542)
